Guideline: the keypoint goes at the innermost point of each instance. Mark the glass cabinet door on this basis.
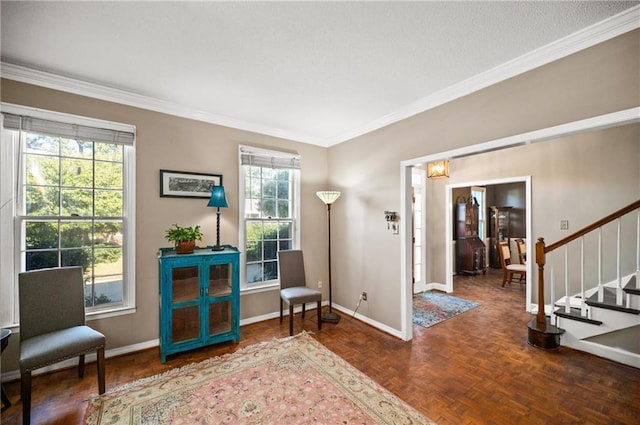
(219, 280)
(219, 317)
(185, 312)
(220, 285)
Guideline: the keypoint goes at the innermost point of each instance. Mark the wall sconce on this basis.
(391, 217)
(438, 169)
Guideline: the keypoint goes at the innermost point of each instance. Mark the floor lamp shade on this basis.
(329, 197)
(218, 200)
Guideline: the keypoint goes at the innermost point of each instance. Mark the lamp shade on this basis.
(328, 196)
(218, 198)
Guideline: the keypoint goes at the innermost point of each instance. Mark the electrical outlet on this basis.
(364, 296)
(319, 284)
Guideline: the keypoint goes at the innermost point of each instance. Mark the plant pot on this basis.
(185, 247)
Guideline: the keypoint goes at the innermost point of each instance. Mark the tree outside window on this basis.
(270, 208)
(73, 211)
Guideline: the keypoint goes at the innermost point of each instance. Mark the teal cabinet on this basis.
(199, 299)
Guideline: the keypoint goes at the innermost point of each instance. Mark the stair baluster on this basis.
(600, 285)
(619, 267)
(583, 295)
(544, 333)
(567, 300)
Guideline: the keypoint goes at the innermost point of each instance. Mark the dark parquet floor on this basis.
(476, 368)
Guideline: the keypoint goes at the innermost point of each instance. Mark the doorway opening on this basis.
(614, 119)
(511, 194)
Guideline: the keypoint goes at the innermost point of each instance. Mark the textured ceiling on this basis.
(317, 72)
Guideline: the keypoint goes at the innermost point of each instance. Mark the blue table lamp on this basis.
(218, 200)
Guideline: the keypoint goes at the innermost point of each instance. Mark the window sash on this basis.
(12, 237)
(255, 157)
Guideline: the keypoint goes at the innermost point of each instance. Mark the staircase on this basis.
(602, 318)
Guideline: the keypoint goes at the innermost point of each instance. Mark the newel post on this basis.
(540, 261)
(542, 333)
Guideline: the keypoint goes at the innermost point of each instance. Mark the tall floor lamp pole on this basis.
(329, 197)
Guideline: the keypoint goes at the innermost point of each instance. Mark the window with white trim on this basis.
(480, 194)
(72, 204)
(269, 204)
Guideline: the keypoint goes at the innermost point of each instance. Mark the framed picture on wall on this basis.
(184, 184)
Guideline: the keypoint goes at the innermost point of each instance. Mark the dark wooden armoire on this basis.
(470, 250)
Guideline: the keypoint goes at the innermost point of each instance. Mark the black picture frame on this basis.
(186, 184)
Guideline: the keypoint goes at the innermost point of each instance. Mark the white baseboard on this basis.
(15, 374)
(369, 321)
(276, 314)
(611, 353)
(437, 286)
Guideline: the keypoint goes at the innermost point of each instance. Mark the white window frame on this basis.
(480, 193)
(10, 259)
(295, 209)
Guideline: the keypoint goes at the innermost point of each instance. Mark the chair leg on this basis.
(101, 377)
(6, 403)
(504, 277)
(290, 319)
(280, 310)
(25, 394)
(303, 305)
(81, 366)
(319, 315)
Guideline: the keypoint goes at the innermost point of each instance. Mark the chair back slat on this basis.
(50, 300)
(291, 265)
(505, 254)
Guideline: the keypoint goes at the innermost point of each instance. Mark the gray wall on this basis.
(596, 81)
(169, 142)
(566, 176)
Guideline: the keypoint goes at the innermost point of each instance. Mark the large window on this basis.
(269, 208)
(71, 203)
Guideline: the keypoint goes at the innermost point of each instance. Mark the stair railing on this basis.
(542, 250)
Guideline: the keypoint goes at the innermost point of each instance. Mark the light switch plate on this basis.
(564, 224)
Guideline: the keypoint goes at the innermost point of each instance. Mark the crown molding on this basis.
(96, 91)
(607, 29)
(602, 31)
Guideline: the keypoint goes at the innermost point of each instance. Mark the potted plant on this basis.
(184, 238)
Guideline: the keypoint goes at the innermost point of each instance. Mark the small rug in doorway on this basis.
(294, 380)
(431, 308)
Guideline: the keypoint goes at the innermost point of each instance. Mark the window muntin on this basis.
(72, 214)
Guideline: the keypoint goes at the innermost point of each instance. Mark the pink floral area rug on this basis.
(293, 380)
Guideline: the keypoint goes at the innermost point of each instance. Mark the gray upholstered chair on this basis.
(52, 326)
(293, 289)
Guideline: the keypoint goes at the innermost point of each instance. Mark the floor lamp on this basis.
(329, 197)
